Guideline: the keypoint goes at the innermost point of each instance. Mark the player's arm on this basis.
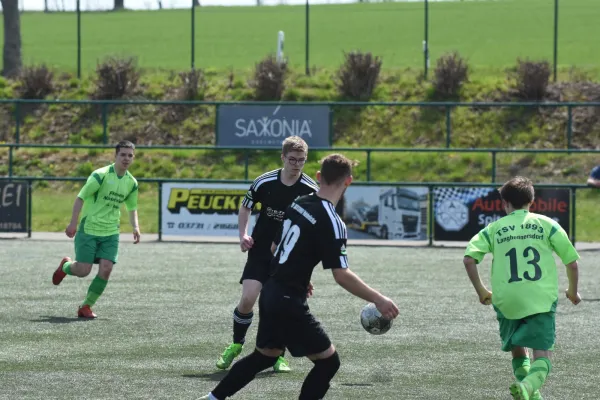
(250, 199)
(131, 203)
(92, 185)
(477, 248)
(559, 240)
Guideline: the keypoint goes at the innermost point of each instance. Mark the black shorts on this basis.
(258, 265)
(285, 321)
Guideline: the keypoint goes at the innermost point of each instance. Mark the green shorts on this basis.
(90, 249)
(536, 332)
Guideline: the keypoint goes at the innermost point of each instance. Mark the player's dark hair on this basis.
(124, 144)
(335, 168)
(518, 191)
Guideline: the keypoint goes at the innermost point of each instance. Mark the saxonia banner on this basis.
(385, 212)
(203, 209)
(13, 206)
(461, 212)
(268, 126)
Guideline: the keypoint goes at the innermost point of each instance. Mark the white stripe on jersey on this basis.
(266, 177)
(338, 225)
(309, 182)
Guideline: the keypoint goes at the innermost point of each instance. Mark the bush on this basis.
(532, 78)
(451, 72)
(358, 76)
(36, 82)
(116, 78)
(193, 85)
(269, 79)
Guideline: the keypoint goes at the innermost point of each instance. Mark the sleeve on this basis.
(131, 201)
(562, 246)
(91, 186)
(479, 245)
(252, 196)
(333, 244)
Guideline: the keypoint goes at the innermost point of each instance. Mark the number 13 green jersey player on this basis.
(524, 282)
(97, 237)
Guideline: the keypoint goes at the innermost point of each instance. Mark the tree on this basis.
(119, 5)
(11, 55)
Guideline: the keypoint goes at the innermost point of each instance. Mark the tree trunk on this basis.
(119, 5)
(11, 56)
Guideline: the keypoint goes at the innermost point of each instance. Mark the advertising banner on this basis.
(203, 209)
(385, 212)
(13, 206)
(268, 126)
(461, 212)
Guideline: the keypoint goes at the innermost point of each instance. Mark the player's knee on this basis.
(329, 365)
(83, 269)
(104, 269)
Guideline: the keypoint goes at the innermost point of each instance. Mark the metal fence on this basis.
(310, 27)
(430, 186)
(447, 107)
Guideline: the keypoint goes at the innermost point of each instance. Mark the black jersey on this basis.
(274, 197)
(312, 232)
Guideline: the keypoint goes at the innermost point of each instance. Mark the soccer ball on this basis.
(372, 320)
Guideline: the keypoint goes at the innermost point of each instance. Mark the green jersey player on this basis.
(524, 282)
(97, 236)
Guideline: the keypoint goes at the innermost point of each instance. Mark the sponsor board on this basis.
(269, 126)
(203, 209)
(385, 212)
(13, 206)
(461, 212)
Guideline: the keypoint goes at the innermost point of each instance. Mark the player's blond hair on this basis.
(335, 168)
(294, 143)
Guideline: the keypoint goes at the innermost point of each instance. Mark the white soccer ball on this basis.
(372, 320)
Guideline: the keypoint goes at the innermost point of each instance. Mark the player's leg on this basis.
(520, 362)
(538, 333)
(242, 318)
(316, 383)
(107, 253)
(85, 253)
(270, 341)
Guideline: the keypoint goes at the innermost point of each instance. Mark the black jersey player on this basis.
(275, 191)
(312, 232)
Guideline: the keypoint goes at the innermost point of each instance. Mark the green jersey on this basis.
(102, 196)
(524, 274)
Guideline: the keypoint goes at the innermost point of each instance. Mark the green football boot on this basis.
(281, 365)
(231, 352)
(536, 395)
(520, 391)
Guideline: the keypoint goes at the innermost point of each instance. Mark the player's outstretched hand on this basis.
(574, 297)
(246, 243)
(136, 236)
(310, 290)
(71, 230)
(485, 297)
(387, 308)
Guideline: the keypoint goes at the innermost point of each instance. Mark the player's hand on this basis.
(485, 297)
(387, 308)
(71, 230)
(310, 290)
(574, 297)
(246, 243)
(136, 235)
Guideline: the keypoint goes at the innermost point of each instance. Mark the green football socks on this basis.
(520, 367)
(67, 268)
(537, 373)
(94, 291)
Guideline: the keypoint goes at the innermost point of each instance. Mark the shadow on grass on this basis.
(59, 320)
(356, 384)
(216, 376)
